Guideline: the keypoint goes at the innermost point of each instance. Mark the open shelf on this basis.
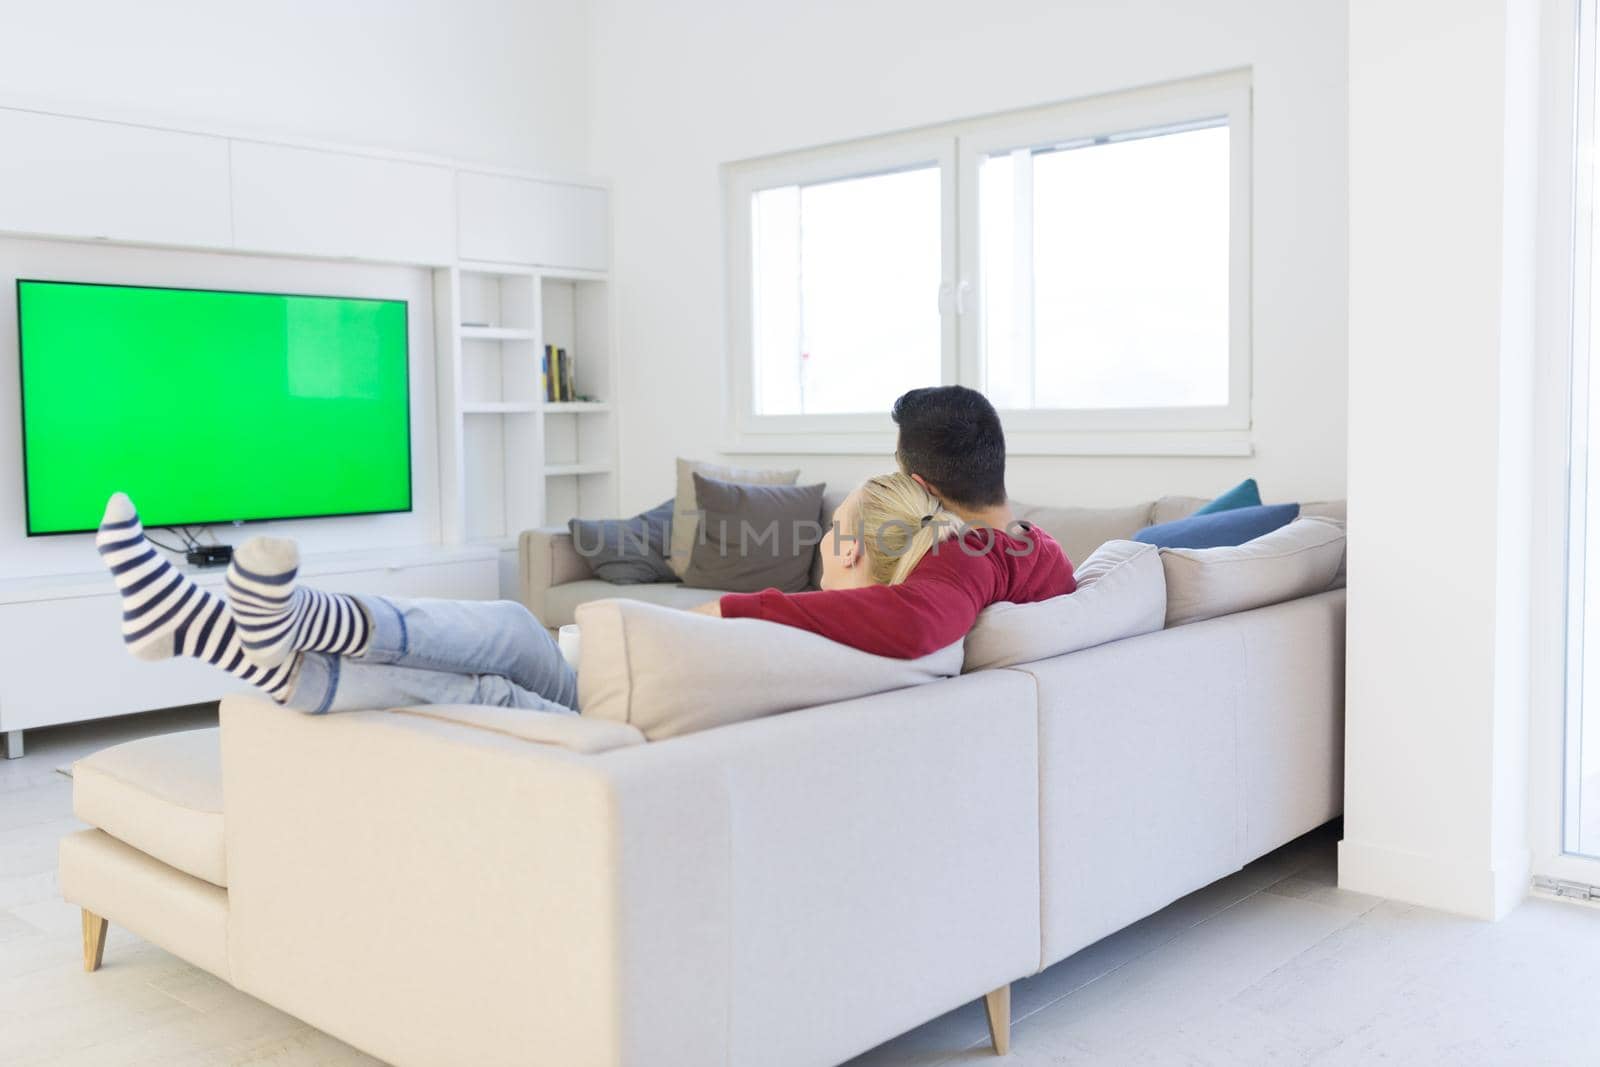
(577, 407)
(558, 470)
(499, 407)
(512, 460)
(497, 333)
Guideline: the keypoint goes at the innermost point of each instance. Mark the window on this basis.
(1565, 737)
(842, 320)
(1578, 843)
(1085, 265)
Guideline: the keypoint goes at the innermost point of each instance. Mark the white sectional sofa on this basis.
(556, 578)
(485, 886)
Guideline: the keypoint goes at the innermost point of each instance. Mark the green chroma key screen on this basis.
(210, 406)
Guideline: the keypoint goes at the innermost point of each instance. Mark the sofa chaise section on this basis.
(434, 892)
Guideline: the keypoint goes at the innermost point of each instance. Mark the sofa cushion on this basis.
(1297, 560)
(671, 672)
(627, 551)
(1324, 509)
(686, 517)
(562, 601)
(1172, 508)
(754, 537)
(162, 795)
(1220, 528)
(1244, 495)
(1121, 593)
(1079, 531)
(575, 733)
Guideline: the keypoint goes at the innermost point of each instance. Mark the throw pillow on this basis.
(627, 551)
(1121, 593)
(754, 537)
(1297, 560)
(670, 672)
(1244, 495)
(685, 524)
(1220, 528)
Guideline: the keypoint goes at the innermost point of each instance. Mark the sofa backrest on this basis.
(1171, 759)
(1079, 531)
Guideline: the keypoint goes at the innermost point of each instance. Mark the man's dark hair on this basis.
(950, 435)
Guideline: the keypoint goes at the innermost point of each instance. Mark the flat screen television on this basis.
(210, 406)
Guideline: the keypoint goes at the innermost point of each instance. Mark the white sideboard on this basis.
(73, 665)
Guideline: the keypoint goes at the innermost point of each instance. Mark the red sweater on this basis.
(932, 608)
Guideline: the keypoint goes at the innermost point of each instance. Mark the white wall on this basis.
(1443, 119)
(679, 89)
(22, 556)
(493, 81)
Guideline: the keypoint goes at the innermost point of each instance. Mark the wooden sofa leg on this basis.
(94, 940)
(998, 1007)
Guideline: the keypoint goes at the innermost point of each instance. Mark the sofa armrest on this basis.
(547, 557)
(434, 891)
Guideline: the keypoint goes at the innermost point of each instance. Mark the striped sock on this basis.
(278, 618)
(164, 614)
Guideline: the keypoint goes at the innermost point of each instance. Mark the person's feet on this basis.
(278, 618)
(165, 614)
(157, 598)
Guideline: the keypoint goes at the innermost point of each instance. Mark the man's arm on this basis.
(933, 608)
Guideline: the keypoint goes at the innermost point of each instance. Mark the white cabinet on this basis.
(547, 224)
(304, 201)
(75, 177)
(73, 665)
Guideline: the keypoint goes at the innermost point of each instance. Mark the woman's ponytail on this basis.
(901, 522)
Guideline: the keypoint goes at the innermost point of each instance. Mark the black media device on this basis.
(210, 555)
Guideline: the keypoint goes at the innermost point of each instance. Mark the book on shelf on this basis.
(558, 377)
(569, 391)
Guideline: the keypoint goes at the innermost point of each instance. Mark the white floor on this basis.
(1274, 965)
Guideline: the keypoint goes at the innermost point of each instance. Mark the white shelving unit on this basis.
(490, 240)
(511, 459)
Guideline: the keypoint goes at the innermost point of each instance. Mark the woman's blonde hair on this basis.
(899, 522)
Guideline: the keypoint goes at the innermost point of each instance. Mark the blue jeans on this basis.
(441, 652)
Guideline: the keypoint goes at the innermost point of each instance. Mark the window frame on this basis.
(958, 149)
(1562, 476)
(836, 163)
(1081, 122)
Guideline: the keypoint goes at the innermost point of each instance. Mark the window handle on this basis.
(962, 290)
(946, 298)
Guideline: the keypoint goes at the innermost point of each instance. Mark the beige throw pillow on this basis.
(1121, 593)
(1292, 561)
(686, 510)
(671, 672)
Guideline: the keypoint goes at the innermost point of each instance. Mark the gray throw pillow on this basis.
(754, 537)
(627, 551)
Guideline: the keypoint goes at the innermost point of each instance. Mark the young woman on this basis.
(319, 652)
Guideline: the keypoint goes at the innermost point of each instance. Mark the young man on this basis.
(950, 442)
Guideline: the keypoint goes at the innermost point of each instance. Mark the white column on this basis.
(1443, 141)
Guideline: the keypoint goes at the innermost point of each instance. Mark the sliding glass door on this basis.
(1573, 243)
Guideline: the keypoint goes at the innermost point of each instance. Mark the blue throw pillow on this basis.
(1220, 528)
(1243, 495)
